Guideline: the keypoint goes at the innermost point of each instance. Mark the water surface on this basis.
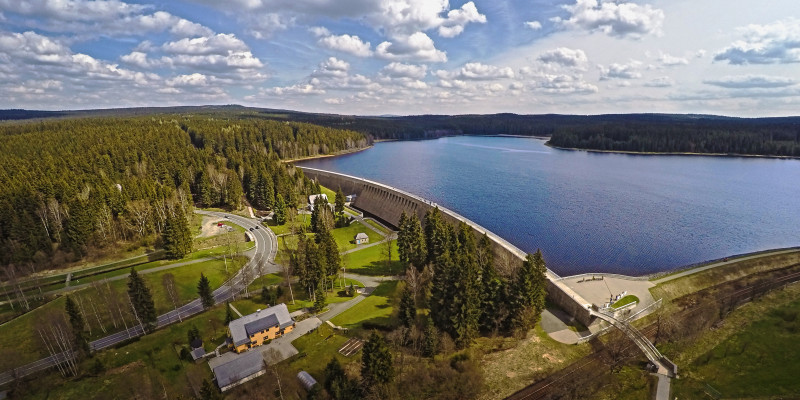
(596, 212)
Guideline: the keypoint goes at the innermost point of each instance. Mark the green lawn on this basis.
(372, 262)
(344, 236)
(147, 368)
(377, 226)
(625, 301)
(759, 358)
(304, 219)
(376, 308)
(301, 299)
(317, 348)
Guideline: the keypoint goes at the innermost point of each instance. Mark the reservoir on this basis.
(596, 212)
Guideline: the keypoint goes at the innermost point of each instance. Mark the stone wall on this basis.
(387, 203)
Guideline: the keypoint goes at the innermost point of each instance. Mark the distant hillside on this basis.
(617, 132)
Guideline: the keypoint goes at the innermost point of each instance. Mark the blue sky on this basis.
(729, 57)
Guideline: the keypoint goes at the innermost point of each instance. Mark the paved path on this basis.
(370, 284)
(360, 247)
(264, 252)
(235, 310)
(721, 263)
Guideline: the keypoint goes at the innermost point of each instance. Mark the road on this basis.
(264, 251)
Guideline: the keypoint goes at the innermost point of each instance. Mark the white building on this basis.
(314, 197)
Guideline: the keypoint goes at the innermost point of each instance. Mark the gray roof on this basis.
(362, 235)
(306, 379)
(197, 353)
(239, 368)
(242, 328)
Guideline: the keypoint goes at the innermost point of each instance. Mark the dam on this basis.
(388, 203)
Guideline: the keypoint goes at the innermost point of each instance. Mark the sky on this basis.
(405, 57)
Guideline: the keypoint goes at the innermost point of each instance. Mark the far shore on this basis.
(338, 153)
(655, 153)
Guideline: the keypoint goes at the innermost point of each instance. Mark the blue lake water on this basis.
(595, 212)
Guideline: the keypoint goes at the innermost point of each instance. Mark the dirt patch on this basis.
(210, 227)
(125, 368)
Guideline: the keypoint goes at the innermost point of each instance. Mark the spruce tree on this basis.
(376, 362)
(76, 322)
(408, 308)
(177, 236)
(338, 385)
(279, 214)
(527, 294)
(466, 296)
(403, 245)
(430, 339)
(204, 290)
(417, 247)
(319, 298)
(228, 313)
(142, 301)
(339, 202)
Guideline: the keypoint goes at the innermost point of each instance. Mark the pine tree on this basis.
(376, 362)
(204, 290)
(228, 313)
(416, 238)
(403, 244)
(430, 340)
(338, 385)
(77, 324)
(528, 293)
(192, 334)
(408, 308)
(466, 301)
(204, 189)
(339, 202)
(492, 288)
(177, 236)
(142, 301)
(319, 298)
(279, 215)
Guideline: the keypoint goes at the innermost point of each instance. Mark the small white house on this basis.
(349, 198)
(314, 197)
(361, 238)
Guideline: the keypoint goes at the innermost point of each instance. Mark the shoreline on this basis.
(653, 153)
(340, 153)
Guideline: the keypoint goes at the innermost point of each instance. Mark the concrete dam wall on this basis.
(387, 203)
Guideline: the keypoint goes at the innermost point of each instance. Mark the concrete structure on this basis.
(260, 327)
(387, 203)
(361, 238)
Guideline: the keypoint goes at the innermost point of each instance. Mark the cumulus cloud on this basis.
(194, 79)
(613, 18)
(400, 70)
(564, 56)
(221, 54)
(332, 67)
(751, 82)
(299, 89)
(477, 71)
(775, 43)
(620, 71)
(535, 25)
(416, 47)
(561, 84)
(108, 17)
(457, 19)
(346, 44)
(668, 60)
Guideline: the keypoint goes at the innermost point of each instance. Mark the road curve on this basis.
(265, 250)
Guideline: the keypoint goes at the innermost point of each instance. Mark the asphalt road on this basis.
(264, 252)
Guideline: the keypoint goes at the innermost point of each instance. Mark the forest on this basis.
(773, 138)
(74, 185)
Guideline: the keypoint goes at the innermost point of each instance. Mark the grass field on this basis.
(625, 301)
(344, 236)
(752, 355)
(301, 219)
(317, 348)
(376, 308)
(377, 226)
(372, 262)
(148, 368)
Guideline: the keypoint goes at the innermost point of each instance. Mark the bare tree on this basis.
(168, 281)
(140, 211)
(271, 358)
(618, 350)
(57, 339)
(386, 250)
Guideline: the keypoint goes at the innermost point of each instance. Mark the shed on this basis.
(350, 198)
(361, 238)
(306, 379)
(198, 354)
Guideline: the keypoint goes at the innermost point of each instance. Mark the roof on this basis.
(361, 235)
(314, 197)
(197, 353)
(242, 328)
(306, 379)
(239, 368)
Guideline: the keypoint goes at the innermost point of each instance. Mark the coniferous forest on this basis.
(77, 184)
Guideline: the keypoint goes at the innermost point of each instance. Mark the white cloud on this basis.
(751, 81)
(138, 59)
(660, 82)
(477, 71)
(535, 25)
(346, 44)
(400, 70)
(299, 89)
(668, 60)
(332, 67)
(417, 47)
(458, 19)
(564, 56)
(334, 101)
(222, 54)
(620, 71)
(613, 18)
(194, 79)
(221, 44)
(778, 42)
(562, 84)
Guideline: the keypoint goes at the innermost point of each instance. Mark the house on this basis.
(197, 352)
(237, 370)
(361, 238)
(350, 198)
(313, 198)
(260, 327)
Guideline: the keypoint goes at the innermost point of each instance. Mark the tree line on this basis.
(723, 137)
(74, 185)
